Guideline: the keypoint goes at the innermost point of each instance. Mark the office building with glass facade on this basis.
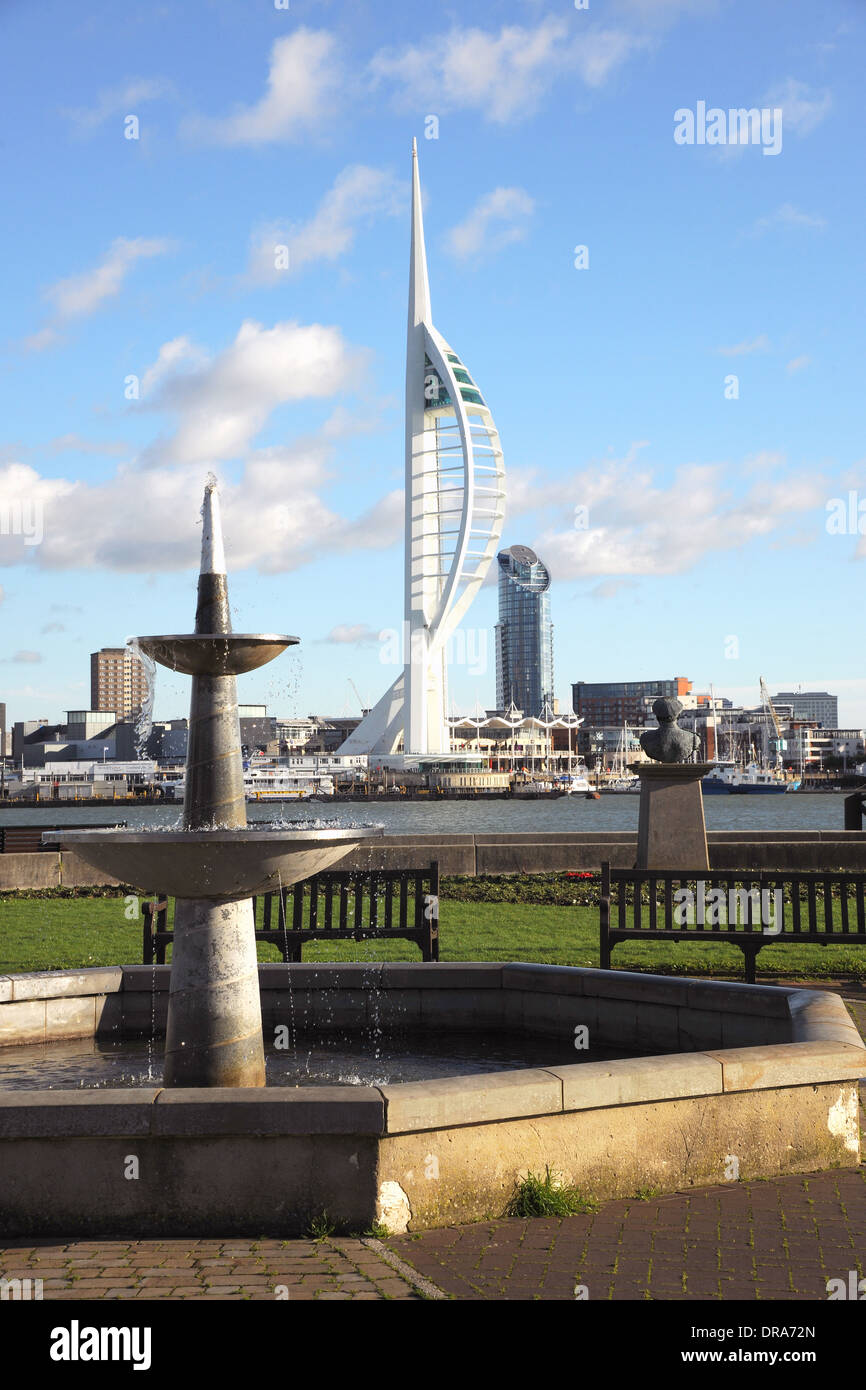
(524, 633)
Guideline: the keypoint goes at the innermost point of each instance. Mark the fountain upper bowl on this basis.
(215, 653)
(219, 864)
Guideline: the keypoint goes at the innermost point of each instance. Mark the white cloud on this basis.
(503, 74)
(803, 108)
(276, 518)
(638, 527)
(303, 78)
(79, 295)
(222, 404)
(759, 344)
(44, 337)
(119, 101)
(497, 219)
(176, 356)
(353, 634)
(764, 461)
(787, 216)
(359, 193)
(797, 364)
(26, 658)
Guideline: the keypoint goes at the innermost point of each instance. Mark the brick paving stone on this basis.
(764, 1241)
(195, 1270)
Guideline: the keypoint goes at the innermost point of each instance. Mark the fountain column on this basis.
(214, 1032)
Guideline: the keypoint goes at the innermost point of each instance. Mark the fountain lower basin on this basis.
(320, 1058)
(744, 1079)
(226, 865)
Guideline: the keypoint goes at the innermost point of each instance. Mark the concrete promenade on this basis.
(526, 852)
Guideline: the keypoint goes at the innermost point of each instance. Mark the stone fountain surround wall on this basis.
(767, 1075)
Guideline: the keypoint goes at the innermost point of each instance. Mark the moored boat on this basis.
(270, 782)
(728, 778)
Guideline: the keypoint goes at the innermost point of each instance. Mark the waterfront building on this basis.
(514, 740)
(294, 735)
(86, 733)
(118, 682)
(455, 509)
(614, 703)
(83, 725)
(817, 705)
(814, 747)
(335, 734)
(524, 633)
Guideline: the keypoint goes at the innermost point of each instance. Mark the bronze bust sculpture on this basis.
(669, 743)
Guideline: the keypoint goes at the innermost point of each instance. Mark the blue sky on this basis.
(148, 337)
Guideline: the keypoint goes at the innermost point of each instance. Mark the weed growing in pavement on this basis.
(548, 1196)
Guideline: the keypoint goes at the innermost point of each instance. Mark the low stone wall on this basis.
(510, 853)
(747, 1081)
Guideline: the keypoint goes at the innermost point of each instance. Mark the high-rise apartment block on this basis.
(524, 633)
(117, 682)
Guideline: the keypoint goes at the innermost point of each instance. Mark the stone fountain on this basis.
(215, 863)
(697, 1070)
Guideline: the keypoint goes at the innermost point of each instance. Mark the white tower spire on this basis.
(455, 509)
(419, 284)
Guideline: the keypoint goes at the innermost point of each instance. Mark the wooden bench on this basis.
(822, 908)
(338, 905)
(27, 839)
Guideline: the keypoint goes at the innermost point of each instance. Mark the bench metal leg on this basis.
(750, 952)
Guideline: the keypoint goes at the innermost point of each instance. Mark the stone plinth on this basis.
(672, 833)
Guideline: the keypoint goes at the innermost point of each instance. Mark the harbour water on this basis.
(798, 811)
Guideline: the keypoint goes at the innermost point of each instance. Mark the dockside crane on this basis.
(768, 706)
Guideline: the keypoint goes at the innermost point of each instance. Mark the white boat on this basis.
(573, 782)
(726, 777)
(270, 782)
(622, 784)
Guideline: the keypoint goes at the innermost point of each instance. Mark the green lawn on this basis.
(58, 933)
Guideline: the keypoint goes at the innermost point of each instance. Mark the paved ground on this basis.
(775, 1240)
(764, 1240)
(207, 1269)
